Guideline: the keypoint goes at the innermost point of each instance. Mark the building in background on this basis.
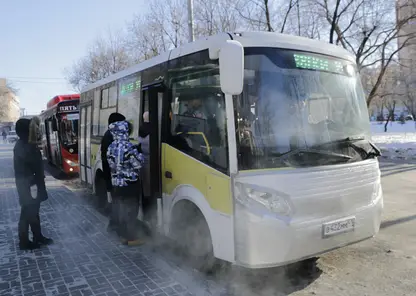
(407, 56)
(9, 104)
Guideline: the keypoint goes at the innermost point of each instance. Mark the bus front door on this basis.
(152, 208)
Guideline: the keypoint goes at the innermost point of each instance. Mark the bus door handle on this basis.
(168, 175)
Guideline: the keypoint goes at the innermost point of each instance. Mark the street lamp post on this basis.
(191, 20)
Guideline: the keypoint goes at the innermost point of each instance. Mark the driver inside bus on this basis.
(195, 109)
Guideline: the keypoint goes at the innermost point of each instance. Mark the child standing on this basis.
(125, 163)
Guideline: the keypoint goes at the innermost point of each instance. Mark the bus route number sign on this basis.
(69, 108)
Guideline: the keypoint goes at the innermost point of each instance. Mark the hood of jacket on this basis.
(22, 129)
(119, 130)
(34, 130)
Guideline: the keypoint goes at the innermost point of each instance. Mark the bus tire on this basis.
(192, 233)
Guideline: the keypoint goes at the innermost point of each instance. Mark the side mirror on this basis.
(231, 58)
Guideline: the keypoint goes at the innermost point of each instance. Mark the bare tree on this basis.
(5, 90)
(143, 42)
(169, 18)
(107, 55)
(161, 29)
(390, 104)
(12, 88)
(4, 107)
(388, 95)
(304, 19)
(269, 15)
(212, 17)
(369, 29)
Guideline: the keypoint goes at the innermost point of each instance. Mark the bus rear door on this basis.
(85, 143)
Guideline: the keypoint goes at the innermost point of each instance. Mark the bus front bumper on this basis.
(266, 242)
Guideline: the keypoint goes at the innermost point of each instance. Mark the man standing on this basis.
(105, 142)
(125, 163)
(30, 184)
(4, 134)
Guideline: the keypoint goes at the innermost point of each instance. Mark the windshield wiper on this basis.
(298, 151)
(350, 139)
(366, 146)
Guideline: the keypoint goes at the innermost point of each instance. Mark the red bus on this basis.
(60, 132)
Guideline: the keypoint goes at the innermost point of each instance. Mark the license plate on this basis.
(338, 227)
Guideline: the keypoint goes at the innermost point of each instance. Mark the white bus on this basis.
(260, 146)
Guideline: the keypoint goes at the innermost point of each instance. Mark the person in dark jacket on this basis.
(105, 142)
(125, 162)
(30, 184)
(4, 134)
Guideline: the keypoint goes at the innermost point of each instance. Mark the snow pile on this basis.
(399, 142)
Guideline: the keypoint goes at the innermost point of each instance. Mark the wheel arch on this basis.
(98, 172)
(188, 196)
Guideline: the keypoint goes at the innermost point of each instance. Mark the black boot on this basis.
(37, 232)
(28, 245)
(43, 241)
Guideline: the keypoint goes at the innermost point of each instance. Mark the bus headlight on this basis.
(259, 198)
(71, 163)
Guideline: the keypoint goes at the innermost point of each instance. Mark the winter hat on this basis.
(22, 128)
(114, 117)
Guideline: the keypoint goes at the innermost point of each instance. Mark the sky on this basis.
(39, 39)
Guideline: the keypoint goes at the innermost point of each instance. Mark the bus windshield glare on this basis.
(299, 104)
(69, 131)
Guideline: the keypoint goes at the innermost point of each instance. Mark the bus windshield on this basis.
(68, 131)
(298, 102)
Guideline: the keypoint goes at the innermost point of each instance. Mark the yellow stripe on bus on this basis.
(215, 186)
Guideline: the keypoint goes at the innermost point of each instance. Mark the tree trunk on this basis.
(267, 12)
(387, 122)
(334, 22)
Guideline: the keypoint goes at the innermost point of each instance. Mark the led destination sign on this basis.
(130, 86)
(309, 62)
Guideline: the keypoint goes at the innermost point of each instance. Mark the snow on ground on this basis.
(399, 142)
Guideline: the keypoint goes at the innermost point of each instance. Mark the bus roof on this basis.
(247, 39)
(60, 98)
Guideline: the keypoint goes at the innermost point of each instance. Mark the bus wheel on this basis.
(194, 237)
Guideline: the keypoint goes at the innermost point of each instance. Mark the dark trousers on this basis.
(29, 216)
(113, 223)
(127, 207)
(128, 210)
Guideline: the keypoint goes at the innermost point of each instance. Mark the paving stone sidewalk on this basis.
(85, 260)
